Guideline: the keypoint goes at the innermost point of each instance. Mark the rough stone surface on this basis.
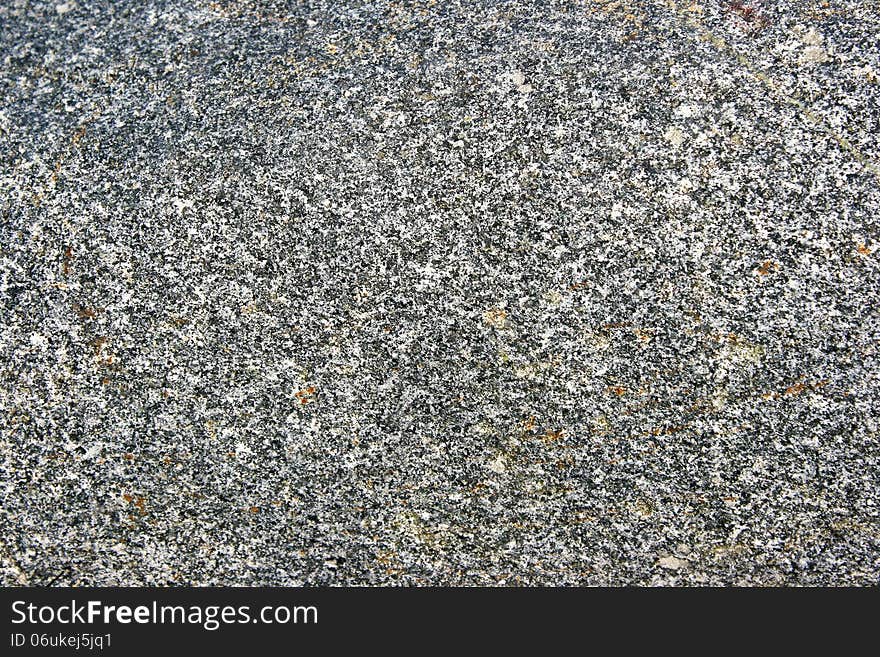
(428, 292)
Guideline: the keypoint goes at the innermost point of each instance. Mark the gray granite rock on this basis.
(428, 292)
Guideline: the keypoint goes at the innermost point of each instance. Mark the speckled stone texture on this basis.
(477, 293)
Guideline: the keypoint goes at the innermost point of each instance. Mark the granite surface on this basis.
(469, 293)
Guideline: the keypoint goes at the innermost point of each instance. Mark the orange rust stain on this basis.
(98, 344)
(800, 387)
(78, 135)
(83, 312)
(254, 509)
(128, 457)
(864, 250)
(552, 436)
(138, 501)
(665, 431)
(767, 267)
(495, 317)
(617, 390)
(68, 257)
(305, 395)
